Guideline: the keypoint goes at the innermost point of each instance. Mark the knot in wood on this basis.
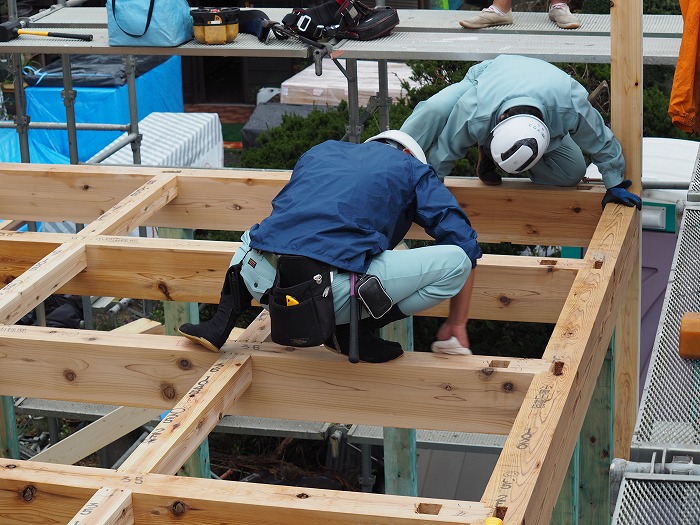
(184, 364)
(178, 508)
(487, 371)
(168, 391)
(86, 187)
(11, 466)
(504, 299)
(508, 387)
(28, 493)
(302, 495)
(69, 375)
(163, 288)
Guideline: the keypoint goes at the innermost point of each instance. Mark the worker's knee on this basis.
(457, 267)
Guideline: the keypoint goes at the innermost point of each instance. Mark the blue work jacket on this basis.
(346, 203)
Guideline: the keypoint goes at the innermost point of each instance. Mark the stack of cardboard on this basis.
(331, 87)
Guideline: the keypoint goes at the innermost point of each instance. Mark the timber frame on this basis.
(539, 403)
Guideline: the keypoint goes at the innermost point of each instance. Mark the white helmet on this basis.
(403, 139)
(518, 142)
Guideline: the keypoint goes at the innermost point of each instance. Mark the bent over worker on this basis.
(346, 206)
(526, 116)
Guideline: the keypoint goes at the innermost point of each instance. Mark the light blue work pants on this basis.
(415, 279)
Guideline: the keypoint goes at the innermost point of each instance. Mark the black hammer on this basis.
(13, 28)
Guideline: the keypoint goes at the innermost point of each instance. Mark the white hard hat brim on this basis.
(405, 140)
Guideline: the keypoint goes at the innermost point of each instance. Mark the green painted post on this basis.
(596, 441)
(176, 313)
(400, 476)
(9, 442)
(566, 510)
(583, 497)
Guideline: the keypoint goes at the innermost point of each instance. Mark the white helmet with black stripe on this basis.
(403, 139)
(518, 142)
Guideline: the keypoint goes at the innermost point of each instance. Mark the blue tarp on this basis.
(159, 89)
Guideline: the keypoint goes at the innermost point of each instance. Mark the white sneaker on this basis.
(560, 15)
(487, 18)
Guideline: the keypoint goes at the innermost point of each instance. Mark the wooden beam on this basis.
(135, 209)
(107, 429)
(40, 281)
(626, 94)
(46, 494)
(107, 507)
(420, 390)
(226, 199)
(97, 435)
(515, 288)
(189, 422)
(534, 460)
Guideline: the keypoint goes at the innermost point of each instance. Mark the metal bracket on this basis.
(22, 123)
(68, 97)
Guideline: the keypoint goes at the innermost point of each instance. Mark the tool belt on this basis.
(301, 302)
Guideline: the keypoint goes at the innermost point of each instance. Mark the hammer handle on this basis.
(353, 343)
(76, 36)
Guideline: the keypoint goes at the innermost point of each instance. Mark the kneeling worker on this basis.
(344, 208)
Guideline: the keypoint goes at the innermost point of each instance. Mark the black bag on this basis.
(301, 302)
(350, 19)
(379, 23)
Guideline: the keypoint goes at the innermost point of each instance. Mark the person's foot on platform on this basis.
(489, 17)
(560, 14)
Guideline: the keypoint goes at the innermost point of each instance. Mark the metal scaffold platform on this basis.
(420, 35)
(662, 482)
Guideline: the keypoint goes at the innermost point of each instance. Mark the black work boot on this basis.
(394, 314)
(486, 168)
(372, 349)
(235, 298)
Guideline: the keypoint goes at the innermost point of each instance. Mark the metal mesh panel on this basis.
(694, 188)
(670, 410)
(657, 502)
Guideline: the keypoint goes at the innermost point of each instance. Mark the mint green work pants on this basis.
(415, 279)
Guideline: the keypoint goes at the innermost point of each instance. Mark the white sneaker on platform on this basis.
(487, 18)
(560, 15)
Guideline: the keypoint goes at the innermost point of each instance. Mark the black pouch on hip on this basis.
(301, 302)
(373, 295)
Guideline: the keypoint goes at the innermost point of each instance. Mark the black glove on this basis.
(620, 195)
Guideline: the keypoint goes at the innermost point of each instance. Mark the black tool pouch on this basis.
(301, 302)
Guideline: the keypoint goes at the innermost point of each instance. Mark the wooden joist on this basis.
(515, 288)
(228, 199)
(421, 390)
(45, 493)
(538, 449)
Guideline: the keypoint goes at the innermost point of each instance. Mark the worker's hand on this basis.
(449, 330)
(620, 195)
